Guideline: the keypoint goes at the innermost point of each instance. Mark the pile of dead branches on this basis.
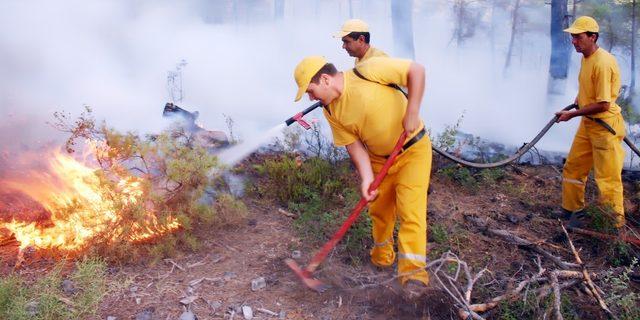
(459, 282)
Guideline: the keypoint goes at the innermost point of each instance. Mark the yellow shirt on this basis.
(368, 111)
(599, 81)
(371, 52)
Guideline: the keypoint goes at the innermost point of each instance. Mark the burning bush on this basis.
(128, 189)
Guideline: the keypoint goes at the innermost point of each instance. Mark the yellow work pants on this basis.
(595, 147)
(403, 194)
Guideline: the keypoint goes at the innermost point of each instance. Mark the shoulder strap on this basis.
(392, 85)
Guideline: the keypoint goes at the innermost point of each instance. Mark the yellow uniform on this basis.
(373, 113)
(594, 146)
(371, 52)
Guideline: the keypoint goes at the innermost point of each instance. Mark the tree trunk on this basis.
(514, 30)
(350, 9)
(492, 33)
(560, 50)
(401, 19)
(634, 31)
(278, 7)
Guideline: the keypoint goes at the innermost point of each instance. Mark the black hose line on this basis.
(514, 157)
(526, 147)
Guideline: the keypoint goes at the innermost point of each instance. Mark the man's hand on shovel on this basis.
(365, 189)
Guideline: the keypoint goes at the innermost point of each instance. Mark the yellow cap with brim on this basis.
(583, 24)
(352, 25)
(305, 70)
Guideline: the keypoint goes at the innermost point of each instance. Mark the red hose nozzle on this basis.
(299, 120)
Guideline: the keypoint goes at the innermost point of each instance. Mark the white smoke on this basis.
(114, 56)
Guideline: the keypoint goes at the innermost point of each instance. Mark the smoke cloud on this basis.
(114, 56)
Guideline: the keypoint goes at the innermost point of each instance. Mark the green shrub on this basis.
(491, 175)
(460, 175)
(439, 234)
(621, 297)
(601, 218)
(229, 211)
(289, 183)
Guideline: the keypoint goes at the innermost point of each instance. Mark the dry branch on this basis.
(269, 312)
(175, 264)
(604, 236)
(511, 238)
(587, 278)
(556, 296)
(287, 213)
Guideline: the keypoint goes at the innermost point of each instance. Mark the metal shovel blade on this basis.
(305, 276)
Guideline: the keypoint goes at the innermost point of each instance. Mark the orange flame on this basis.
(80, 210)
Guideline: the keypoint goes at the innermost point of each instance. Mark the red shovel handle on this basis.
(324, 251)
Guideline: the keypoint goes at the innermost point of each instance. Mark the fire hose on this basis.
(523, 150)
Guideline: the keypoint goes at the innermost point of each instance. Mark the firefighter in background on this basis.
(367, 117)
(594, 146)
(355, 40)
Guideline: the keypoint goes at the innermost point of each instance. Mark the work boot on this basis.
(376, 268)
(413, 289)
(561, 213)
(576, 220)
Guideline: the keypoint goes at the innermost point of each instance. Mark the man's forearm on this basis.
(590, 109)
(415, 85)
(360, 159)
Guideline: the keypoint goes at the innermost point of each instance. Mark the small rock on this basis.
(188, 315)
(68, 287)
(111, 318)
(283, 315)
(32, 308)
(513, 218)
(138, 300)
(188, 300)
(216, 258)
(247, 312)
(296, 254)
(146, 314)
(215, 304)
(133, 289)
(258, 283)
(229, 275)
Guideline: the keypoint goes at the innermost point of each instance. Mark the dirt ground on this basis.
(216, 281)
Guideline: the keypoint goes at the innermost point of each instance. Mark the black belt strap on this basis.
(602, 123)
(392, 85)
(411, 141)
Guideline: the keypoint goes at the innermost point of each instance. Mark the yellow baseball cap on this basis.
(305, 70)
(352, 25)
(583, 24)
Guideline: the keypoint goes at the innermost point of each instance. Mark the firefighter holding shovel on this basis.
(367, 116)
